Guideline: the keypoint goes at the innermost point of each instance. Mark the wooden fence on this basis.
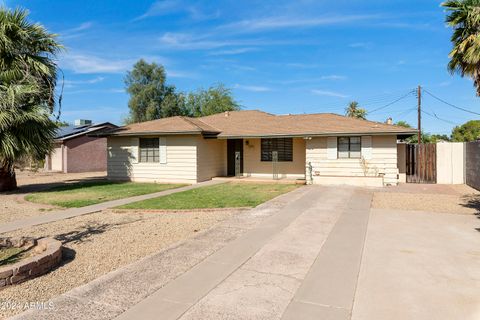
(472, 164)
(421, 163)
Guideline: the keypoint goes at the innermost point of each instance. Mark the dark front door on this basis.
(234, 156)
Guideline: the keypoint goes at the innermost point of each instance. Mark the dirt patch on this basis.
(104, 241)
(13, 206)
(455, 201)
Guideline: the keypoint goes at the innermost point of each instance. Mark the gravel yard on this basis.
(14, 207)
(103, 242)
(456, 199)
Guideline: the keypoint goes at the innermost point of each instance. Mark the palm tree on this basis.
(464, 18)
(27, 83)
(353, 110)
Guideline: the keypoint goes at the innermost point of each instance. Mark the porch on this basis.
(250, 179)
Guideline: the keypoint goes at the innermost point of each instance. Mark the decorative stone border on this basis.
(47, 255)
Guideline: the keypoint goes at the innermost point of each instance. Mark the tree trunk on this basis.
(8, 180)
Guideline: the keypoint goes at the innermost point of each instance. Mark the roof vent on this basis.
(389, 120)
(227, 114)
(82, 122)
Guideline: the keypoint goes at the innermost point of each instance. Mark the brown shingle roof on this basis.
(254, 123)
(172, 125)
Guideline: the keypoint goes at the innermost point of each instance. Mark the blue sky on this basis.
(278, 56)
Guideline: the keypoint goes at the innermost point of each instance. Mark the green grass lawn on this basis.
(87, 193)
(227, 195)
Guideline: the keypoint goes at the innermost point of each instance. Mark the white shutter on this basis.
(134, 150)
(163, 149)
(332, 148)
(367, 147)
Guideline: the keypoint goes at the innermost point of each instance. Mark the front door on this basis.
(234, 156)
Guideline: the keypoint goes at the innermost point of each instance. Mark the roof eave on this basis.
(302, 135)
(152, 133)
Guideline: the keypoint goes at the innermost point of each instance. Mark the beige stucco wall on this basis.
(383, 160)
(181, 164)
(253, 166)
(450, 163)
(211, 158)
(56, 158)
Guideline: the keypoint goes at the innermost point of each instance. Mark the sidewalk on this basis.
(258, 275)
(70, 213)
(263, 264)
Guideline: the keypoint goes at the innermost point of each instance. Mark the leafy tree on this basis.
(440, 137)
(60, 123)
(353, 110)
(402, 123)
(27, 83)
(469, 131)
(215, 99)
(464, 18)
(150, 97)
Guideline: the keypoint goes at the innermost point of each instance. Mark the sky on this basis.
(277, 56)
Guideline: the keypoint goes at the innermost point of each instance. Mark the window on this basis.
(349, 147)
(284, 147)
(149, 150)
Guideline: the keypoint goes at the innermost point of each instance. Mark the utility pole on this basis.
(419, 96)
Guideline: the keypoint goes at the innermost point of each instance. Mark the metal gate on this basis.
(421, 163)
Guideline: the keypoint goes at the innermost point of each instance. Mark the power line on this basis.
(449, 104)
(434, 115)
(393, 102)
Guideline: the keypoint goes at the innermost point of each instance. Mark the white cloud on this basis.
(232, 51)
(159, 8)
(72, 83)
(166, 7)
(271, 23)
(76, 31)
(333, 77)
(252, 88)
(328, 93)
(87, 63)
(81, 63)
(363, 45)
(188, 41)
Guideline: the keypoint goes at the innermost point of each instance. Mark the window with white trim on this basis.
(349, 147)
(149, 150)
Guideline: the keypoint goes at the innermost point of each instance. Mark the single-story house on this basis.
(320, 148)
(78, 149)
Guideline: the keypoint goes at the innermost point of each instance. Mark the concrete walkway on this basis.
(419, 265)
(259, 274)
(69, 213)
(253, 266)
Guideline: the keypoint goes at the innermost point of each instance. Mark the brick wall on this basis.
(85, 154)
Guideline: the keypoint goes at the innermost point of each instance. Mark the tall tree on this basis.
(150, 97)
(27, 82)
(469, 131)
(215, 99)
(464, 17)
(353, 110)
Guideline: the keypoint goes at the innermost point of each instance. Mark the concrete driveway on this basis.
(315, 253)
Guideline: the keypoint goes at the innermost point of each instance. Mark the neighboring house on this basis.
(321, 148)
(78, 149)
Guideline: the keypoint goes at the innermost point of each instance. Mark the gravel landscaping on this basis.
(13, 206)
(104, 241)
(456, 199)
